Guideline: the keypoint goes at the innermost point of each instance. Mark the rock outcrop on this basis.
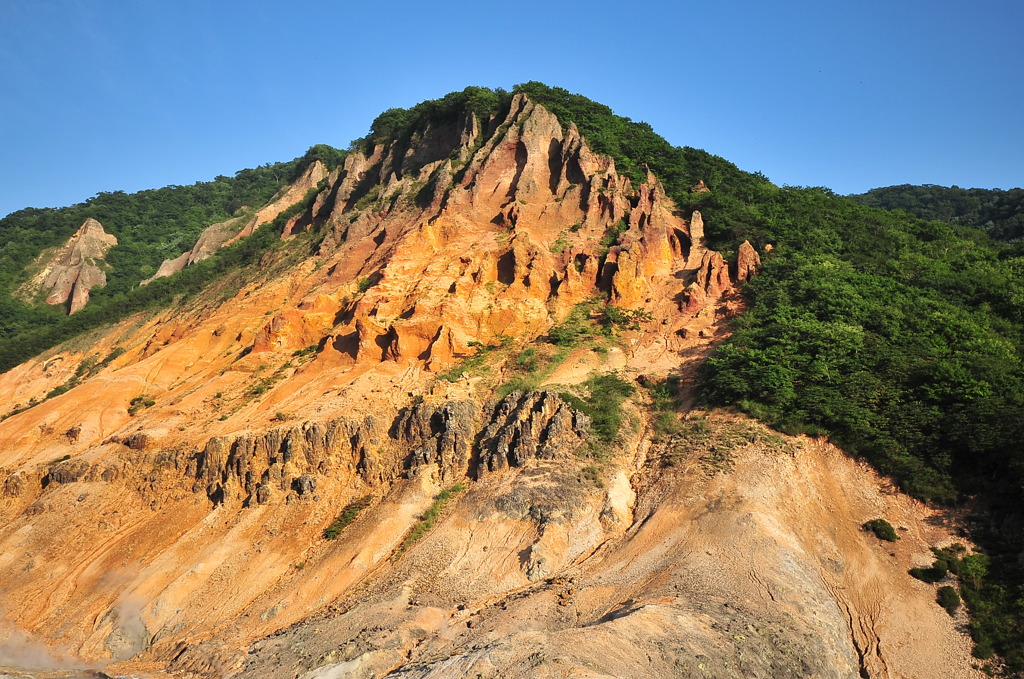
(748, 262)
(453, 436)
(212, 238)
(309, 180)
(253, 466)
(536, 425)
(69, 272)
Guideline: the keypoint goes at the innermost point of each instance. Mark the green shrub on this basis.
(347, 516)
(138, 403)
(429, 518)
(930, 574)
(948, 599)
(882, 529)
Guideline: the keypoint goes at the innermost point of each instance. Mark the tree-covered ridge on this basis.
(150, 226)
(399, 124)
(999, 212)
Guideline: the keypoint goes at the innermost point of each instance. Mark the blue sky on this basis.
(102, 95)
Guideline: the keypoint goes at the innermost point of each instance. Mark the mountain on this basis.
(477, 396)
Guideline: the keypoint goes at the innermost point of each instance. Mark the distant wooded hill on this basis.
(999, 212)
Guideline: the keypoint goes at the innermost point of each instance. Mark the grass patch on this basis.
(86, 369)
(368, 198)
(602, 403)
(307, 351)
(593, 474)
(665, 404)
(714, 441)
(364, 284)
(610, 236)
(594, 319)
(267, 383)
(347, 516)
(429, 518)
(531, 367)
(483, 354)
(560, 245)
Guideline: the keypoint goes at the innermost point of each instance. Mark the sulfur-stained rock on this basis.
(292, 329)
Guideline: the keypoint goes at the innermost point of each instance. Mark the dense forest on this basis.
(999, 212)
(150, 226)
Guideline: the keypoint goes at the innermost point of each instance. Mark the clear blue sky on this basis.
(98, 95)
